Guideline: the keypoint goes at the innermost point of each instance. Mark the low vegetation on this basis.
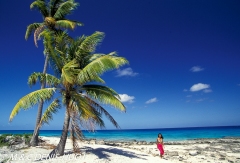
(13, 139)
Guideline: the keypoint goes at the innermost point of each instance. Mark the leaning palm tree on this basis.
(79, 87)
(54, 15)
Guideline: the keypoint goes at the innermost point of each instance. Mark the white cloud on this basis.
(196, 69)
(126, 98)
(126, 72)
(199, 86)
(151, 100)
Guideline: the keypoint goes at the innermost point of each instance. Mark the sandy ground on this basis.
(91, 153)
(190, 152)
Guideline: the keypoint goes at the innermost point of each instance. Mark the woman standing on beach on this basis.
(160, 144)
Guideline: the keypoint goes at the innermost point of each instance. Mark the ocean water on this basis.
(149, 135)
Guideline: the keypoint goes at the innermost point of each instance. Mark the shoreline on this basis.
(149, 135)
(219, 150)
(136, 140)
(181, 140)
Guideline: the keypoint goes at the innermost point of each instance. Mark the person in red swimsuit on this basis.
(160, 144)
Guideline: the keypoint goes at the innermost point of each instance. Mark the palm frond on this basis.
(49, 49)
(48, 114)
(90, 123)
(75, 122)
(70, 71)
(46, 34)
(90, 43)
(62, 40)
(49, 44)
(82, 106)
(31, 99)
(31, 28)
(67, 24)
(37, 32)
(101, 110)
(95, 56)
(65, 8)
(41, 6)
(104, 95)
(87, 113)
(86, 77)
(73, 138)
(73, 48)
(99, 66)
(53, 6)
(76, 132)
(102, 87)
(55, 67)
(38, 76)
(61, 43)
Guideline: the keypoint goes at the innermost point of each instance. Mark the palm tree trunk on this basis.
(34, 140)
(61, 145)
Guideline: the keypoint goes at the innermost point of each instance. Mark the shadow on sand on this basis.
(103, 153)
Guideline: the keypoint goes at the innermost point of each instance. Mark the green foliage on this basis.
(48, 114)
(104, 95)
(79, 83)
(3, 141)
(79, 66)
(65, 8)
(5, 135)
(41, 6)
(50, 80)
(31, 28)
(53, 13)
(31, 99)
(100, 65)
(70, 71)
(90, 42)
(27, 138)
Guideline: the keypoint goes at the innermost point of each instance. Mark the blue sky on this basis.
(184, 59)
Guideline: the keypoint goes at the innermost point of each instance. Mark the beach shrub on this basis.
(23, 137)
(3, 140)
(16, 138)
(27, 138)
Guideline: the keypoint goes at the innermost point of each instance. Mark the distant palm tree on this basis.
(54, 13)
(79, 86)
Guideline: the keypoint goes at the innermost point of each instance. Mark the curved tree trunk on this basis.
(34, 140)
(61, 145)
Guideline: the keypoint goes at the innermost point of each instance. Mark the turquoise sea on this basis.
(170, 134)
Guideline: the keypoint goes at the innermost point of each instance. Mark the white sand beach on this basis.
(202, 150)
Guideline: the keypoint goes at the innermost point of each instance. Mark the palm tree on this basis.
(54, 13)
(54, 16)
(79, 86)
